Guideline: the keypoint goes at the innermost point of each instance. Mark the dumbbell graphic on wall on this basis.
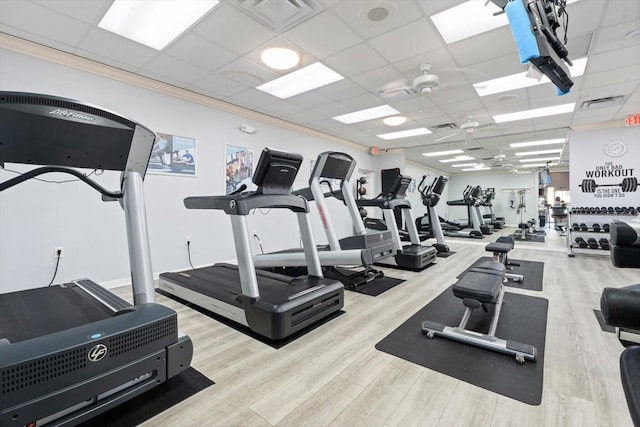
(628, 185)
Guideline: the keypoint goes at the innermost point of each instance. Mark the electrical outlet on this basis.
(60, 250)
(188, 240)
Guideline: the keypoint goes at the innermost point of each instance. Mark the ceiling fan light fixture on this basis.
(280, 58)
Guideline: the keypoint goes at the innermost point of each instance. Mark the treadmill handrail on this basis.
(244, 203)
(385, 203)
(48, 169)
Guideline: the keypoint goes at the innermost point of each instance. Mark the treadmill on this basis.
(413, 256)
(270, 304)
(72, 351)
(430, 197)
(361, 250)
(472, 229)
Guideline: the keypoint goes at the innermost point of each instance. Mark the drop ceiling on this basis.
(375, 45)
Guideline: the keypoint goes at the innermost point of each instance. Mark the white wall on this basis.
(36, 217)
(503, 183)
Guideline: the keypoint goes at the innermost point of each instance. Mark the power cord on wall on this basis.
(255, 236)
(59, 254)
(189, 254)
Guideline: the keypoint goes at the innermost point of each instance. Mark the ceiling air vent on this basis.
(445, 126)
(609, 101)
(279, 15)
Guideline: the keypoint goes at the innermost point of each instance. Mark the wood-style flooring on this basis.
(333, 376)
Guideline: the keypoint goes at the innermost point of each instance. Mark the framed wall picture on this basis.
(238, 168)
(173, 154)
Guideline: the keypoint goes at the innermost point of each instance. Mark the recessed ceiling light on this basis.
(468, 19)
(477, 169)
(464, 165)
(442, 153)
(404, 133)
(154, 23)
(536, 153)
(539, 159)
(520, 80)
(394, 120)
(457, 159)
(537, 165)
(536, 143)
(302, 80)
(280, 58)
(367, 114)
(537, 112)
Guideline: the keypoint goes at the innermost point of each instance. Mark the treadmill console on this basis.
(399, 187)
(276, 171)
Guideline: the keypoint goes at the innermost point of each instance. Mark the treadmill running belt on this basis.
(43, 311)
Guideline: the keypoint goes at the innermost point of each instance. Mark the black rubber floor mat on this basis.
(533, 272)
(522, 319)
(157, 400)
(378, 286)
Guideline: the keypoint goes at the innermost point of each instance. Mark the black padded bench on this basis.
(500, 249)
(481, 285)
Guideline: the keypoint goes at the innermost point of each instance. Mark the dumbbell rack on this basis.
(589, 219)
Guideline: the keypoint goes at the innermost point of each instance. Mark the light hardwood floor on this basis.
(334, 376)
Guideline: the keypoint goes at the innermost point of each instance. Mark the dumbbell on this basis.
(584, 227)
(581, 242)
(593, 244)
(575, 226)
(605, 228)
(604, 244)
(628, 185)
(596, 227)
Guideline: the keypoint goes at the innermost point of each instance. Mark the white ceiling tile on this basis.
(355, 14)
(447, 95)
(410, 40)
(355, 60)
(610, 78)
(432, 7)
(281, 108)
(253, 98)
(613, 38)
(614, 60)
(104, 44)
(310, 100)
(217, 86)
(175, 69)
(473, 106)
(304, 116)
(195, 50)
(341, 90)
(485, 46)
(373, 80)
(363, 101)
(584, 16)
(322, 35)
(440, 60)
(618, 11)
(90, 12)
(232, 29)
(332, 109)
(247, 72)
(43, 22)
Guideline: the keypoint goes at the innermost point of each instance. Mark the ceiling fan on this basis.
(468, 128)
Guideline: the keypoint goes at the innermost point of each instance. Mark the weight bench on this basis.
(500, 248)
(480, 287)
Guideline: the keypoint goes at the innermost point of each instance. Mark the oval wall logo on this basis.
(97, 352)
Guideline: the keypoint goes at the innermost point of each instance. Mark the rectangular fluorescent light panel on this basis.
(368, 114)
(536, 153)
(468, 19)
(520, 80)
(537, 165)
(539, 159)
(476, 169)
(302, 80)
(537, 112)
(154, 23)
(536, 143)
(404, 133)
(457, 159)
(442, 153)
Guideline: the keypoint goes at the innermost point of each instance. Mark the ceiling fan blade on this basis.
(445, 137)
